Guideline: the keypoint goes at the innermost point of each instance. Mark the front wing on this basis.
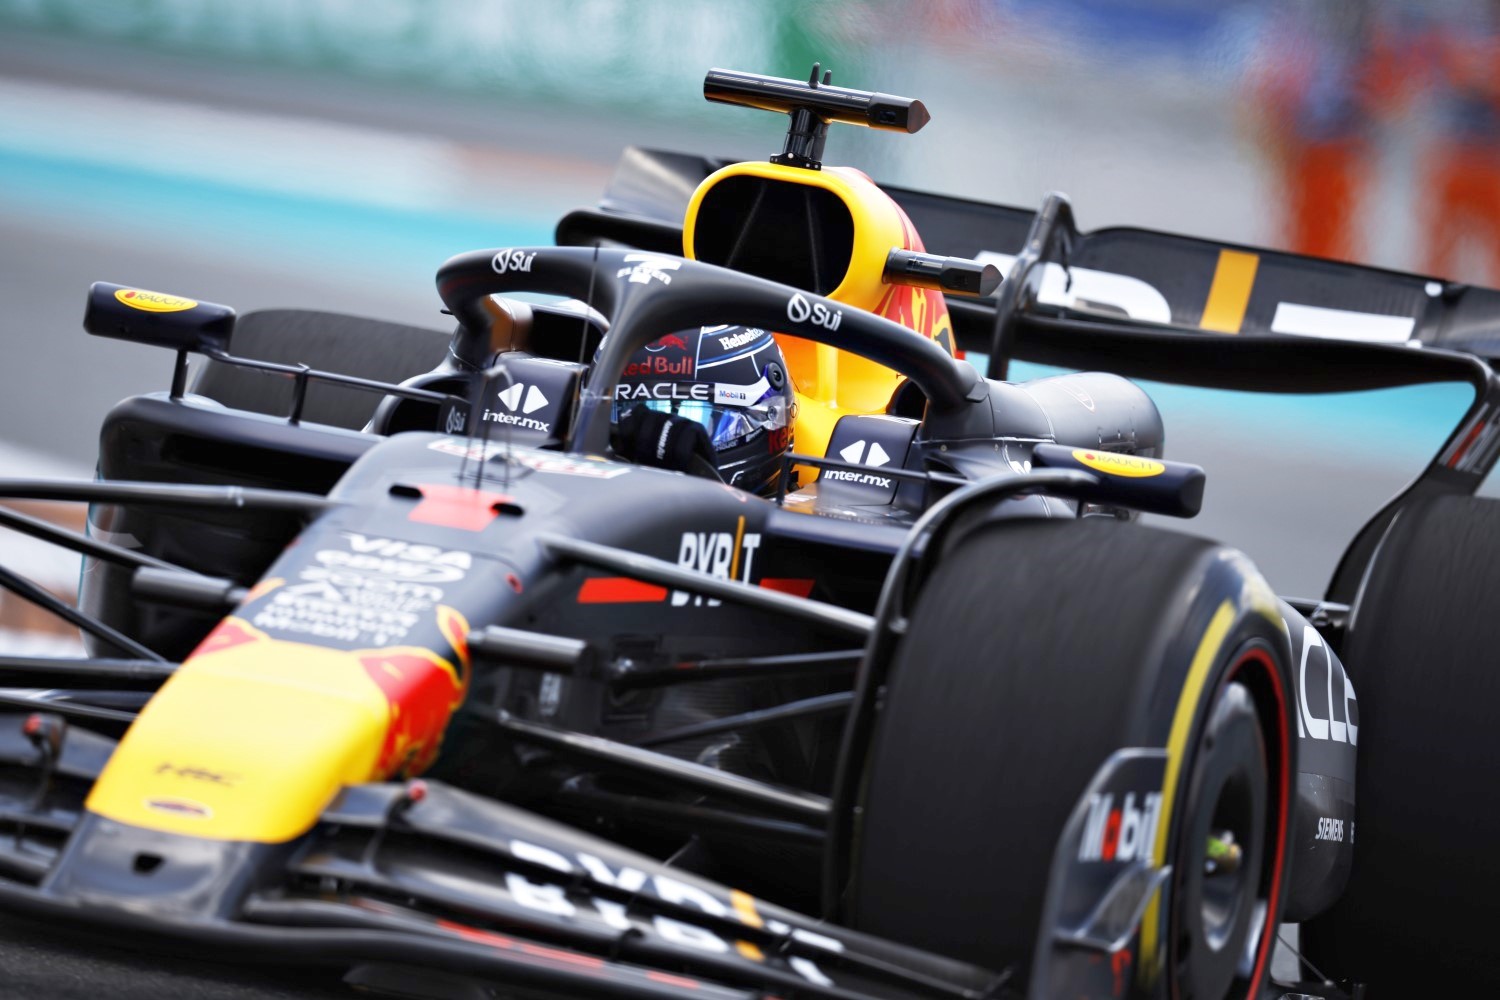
(427, 876)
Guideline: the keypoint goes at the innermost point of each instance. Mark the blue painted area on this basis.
(1146, 27)
(321, 234)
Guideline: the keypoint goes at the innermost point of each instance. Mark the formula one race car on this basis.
(406, 659)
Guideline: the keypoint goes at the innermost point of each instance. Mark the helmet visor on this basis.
(727, 426)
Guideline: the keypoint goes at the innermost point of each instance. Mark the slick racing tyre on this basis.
(1420, 913)
(348, 345)
(1034, 652)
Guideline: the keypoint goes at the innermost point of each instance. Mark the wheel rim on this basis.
(1229, 858)
(1225, 856)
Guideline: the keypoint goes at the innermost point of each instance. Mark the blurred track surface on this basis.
(59, 382)
(35, 964)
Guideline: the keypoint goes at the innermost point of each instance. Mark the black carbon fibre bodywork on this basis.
(374, 880)
(1147, 320)
(831, 542)
(1327, 738)
(685, 671)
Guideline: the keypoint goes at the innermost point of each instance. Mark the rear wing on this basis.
(1140, 276)
(1161, 306)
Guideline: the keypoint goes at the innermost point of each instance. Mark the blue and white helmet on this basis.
(733, 382)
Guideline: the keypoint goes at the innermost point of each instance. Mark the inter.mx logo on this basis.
(1120, 833)
(859, 453)
(519, 399)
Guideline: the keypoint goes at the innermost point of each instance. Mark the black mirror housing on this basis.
(158, 319)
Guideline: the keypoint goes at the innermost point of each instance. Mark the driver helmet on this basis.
(731, 381)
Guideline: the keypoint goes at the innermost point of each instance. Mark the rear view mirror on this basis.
(155, 318)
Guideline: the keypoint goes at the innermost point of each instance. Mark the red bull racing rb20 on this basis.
(704, 625)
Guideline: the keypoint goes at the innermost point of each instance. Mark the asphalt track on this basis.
(58, 382)
(36, 964)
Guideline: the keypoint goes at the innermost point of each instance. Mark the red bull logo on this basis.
(919, 309)
(662, 365)
(423, 689)
(292, 722)
(671, 340)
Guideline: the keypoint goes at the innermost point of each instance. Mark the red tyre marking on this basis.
(1283, 742)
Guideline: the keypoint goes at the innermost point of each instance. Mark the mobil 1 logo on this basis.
(1121, 812)
(1112, 833)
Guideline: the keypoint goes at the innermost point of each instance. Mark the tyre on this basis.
(366, 348)
(1423, 902)
(1034, 652)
